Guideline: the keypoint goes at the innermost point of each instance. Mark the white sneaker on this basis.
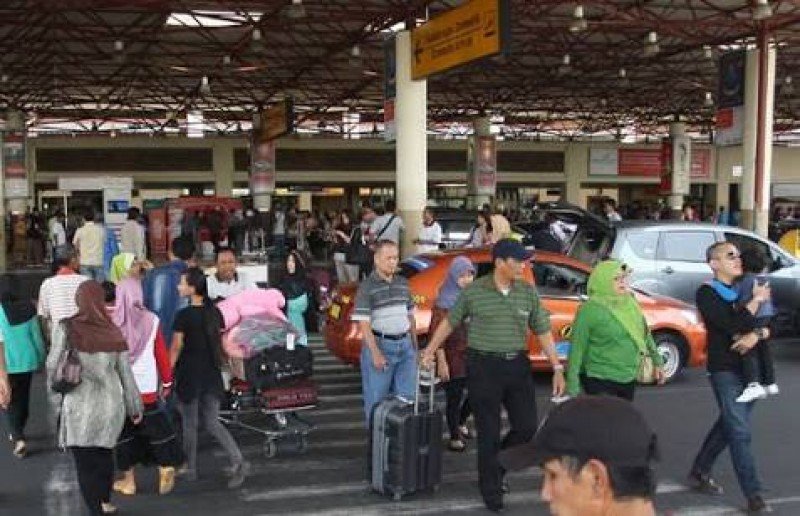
(560, 399)
(754, 391)
(772, 389)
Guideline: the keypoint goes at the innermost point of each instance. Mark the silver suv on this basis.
(669, 257)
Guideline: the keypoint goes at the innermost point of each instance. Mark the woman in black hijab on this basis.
(301, 296)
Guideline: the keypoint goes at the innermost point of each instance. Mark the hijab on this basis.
(91, 329)
(624, 307)
(17, 310)
(132, 318)
(448, 293)
(296, 284)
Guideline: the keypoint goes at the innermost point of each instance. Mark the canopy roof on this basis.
(140, 66)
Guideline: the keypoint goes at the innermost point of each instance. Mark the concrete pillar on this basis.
(755, 188)
(483, 127)
(224, 168)
(411, 184)
(675, 199)
(576, 168)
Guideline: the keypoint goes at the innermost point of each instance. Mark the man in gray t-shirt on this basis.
(388, 226)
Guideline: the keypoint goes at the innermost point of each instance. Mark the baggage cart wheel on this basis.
(270, 448)
(302, 443)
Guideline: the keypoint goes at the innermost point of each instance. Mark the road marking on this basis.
(424, 504)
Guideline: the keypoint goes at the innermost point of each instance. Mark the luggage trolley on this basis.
(272, 413)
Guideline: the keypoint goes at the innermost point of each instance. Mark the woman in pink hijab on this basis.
(154, 436)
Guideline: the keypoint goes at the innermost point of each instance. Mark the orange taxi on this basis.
(561, 282)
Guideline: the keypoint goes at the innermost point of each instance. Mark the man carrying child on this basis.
(733, 330)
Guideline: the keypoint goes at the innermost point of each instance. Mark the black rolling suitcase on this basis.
(406, 446)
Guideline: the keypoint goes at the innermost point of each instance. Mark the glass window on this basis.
(642, 244)
(685, 246)
(557, 280)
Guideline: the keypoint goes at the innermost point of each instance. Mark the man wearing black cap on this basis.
(596, 453)
(501, 307)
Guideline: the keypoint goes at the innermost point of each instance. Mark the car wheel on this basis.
(672, 349)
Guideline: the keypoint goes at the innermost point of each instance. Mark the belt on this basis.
(389, 336)
(502, 355)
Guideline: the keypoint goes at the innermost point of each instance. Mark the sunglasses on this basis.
(732, 255)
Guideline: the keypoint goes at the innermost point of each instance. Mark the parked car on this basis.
(456, 226)
(669, 257)
(561, 282)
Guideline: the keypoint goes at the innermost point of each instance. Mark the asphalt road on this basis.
(327, 479)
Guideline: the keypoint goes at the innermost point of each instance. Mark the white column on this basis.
(411, 182)
(224, 167)
(675, 200)
(483, 127)
(755, 212)
(576, 168)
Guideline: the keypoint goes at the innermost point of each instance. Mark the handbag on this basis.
(647, 369)
(67, 374)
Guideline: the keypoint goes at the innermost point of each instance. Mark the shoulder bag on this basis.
(67, 374)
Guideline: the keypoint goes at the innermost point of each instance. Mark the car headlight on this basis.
(692, 316)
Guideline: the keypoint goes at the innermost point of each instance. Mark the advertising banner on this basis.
(15, 172)
(262, 167)
(389, 89)
(482, 166)
(730, 105)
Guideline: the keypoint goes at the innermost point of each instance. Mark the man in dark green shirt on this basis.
(501, 308)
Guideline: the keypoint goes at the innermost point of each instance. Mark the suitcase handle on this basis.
(418, 392)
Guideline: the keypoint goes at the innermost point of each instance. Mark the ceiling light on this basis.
(119, 45)
(565, 67)
(205, 87)
(651, 46)
(355, 56)
(708, 52)
(4, 77)
(295, 10)
(788, 85)
(623, 76)
(256, 44)
(579, 23)
(709, 100)
(226, 61)
(256, 35)
(762, 10)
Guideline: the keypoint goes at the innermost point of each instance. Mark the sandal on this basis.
(457, 445)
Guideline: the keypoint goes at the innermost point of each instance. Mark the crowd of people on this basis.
(155, 336)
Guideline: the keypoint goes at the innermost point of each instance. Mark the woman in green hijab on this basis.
(610, 338)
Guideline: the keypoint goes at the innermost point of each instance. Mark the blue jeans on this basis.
(94, 272)
(399, 378)
(732, 431)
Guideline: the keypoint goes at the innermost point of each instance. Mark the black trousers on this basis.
(458, 408)
(494, 382)
(153, 441)
(757, 365)
(18, 409)
(596, 386)
(95, 475)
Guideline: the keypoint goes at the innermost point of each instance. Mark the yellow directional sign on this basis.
(474, 30)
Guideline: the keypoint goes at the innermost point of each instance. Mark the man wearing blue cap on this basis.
(501, 307)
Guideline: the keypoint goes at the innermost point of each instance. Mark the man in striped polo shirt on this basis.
(57, 293)
(501, 307)
(384, 311)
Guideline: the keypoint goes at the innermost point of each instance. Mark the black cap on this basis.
(605, 428)
(510, 248)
